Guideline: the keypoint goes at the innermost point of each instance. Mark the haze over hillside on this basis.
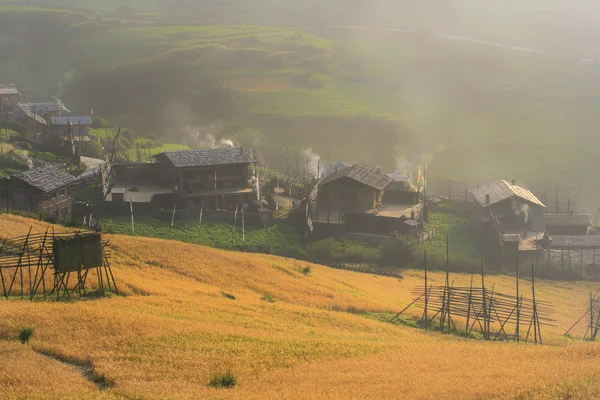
(478, 90)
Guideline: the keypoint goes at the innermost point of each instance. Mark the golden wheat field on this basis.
(285, 335)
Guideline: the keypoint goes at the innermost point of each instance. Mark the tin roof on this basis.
(206, 157)
(46, 107)
(46, 179)
(65, 120)
(8, 88)
(361, 174)
(511, 237)
(501, 190)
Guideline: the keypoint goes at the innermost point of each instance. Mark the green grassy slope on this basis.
(474, 110)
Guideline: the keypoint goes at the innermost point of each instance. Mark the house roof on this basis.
(501, 190)
(511, 237)
(47, 107)
(46, 178)
(37, 118)
(206, 157)
(361, 174)
(582, 220)
(8, 89)
(332, 169)
(65, 120)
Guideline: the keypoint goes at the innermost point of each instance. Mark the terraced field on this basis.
(188, 312)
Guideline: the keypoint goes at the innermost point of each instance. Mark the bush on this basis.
(268, 297)
(25, 335)
(98, 123)
(396, 252)
(306, 270)
(225, 380)
(227, 295)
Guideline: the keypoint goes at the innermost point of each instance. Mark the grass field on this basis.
(173, 328)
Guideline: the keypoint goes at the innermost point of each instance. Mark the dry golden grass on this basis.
(173, 329)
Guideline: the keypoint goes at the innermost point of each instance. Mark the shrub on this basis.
(227, 295)
(25, 335)
(225, 380)
(395, 252)
(268, 297)
(306, 270)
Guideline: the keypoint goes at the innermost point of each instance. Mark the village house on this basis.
(568, 224)
(354, 200)
(507, 216)
(212, 179)
(76, 126)
(44, 190)
(45, 109)
(8, 100)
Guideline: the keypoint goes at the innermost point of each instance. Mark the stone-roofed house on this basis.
(351, 201)
(43, 190)
(215, 178)
(354, 189)
(507, 216)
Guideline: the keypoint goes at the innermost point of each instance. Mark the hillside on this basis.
(478, 94)
(288, 333)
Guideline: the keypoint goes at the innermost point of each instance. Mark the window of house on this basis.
(52, 195)
(44, 197)
(62, 192)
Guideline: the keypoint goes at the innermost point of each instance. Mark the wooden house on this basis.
(76, 126)
(356, 189)
(352, 199)
(507, 218)
(44, 190)
(9, 95)
(210, 178)
(568, 224)
(515, 209)
(401, 190)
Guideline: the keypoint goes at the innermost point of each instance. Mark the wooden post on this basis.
(131, 211)
(200, 221)
(426, 291)
(243, 228)
(470, 301)
(485, 313)
(562, 253)
(518, 328)
(535, 318)
(591, 313)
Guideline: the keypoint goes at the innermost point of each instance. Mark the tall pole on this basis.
(243, 227)
(426, 290)
(470, 302)
(535, 318)
(485, 314)
(591, 314)
(131, 210)
(517, 330)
